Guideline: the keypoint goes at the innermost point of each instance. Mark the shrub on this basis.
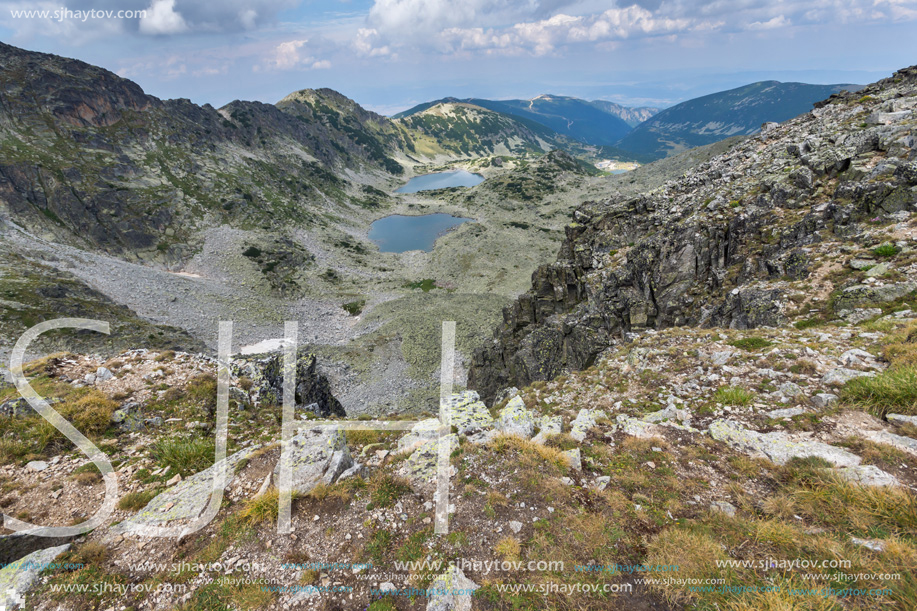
(355, 308)
(886, 250)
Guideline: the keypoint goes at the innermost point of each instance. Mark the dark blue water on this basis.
(441, 180)
(399, 233)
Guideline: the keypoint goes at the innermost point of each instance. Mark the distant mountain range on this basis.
(644, 133)
(739, 111)
(600, 123)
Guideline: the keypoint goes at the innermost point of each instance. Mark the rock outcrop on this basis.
(317, 456)
(313, 391)
(714, 247)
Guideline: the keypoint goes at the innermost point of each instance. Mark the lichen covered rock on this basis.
(317, 456)
(515, 419)
(421, 466)
(585, 420)
(778, 447)
(467, 413)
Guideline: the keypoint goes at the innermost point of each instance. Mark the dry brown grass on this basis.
(264, 509)
(502, 444)
(495, 499)
(90, 414)
(87, 478)
(695, 555)
(901, 347)
(508, 549)
(90, 553)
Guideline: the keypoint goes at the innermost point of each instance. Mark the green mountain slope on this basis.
(464, 129)
(739, 111)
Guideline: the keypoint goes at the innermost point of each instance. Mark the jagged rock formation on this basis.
(313, 391)
(632, 115)
(712, 248)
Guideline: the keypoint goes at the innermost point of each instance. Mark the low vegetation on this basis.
(751, 343)
(184, 456)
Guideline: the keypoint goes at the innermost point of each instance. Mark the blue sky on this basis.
(391, 54)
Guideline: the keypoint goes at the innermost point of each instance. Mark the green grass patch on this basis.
(185, 456)
(135, 501)
(355, 308)
(751, 343)
(731, 395)
(426, 285)
(808, 323)
(892, 391)
(385, 489)
(378, 545)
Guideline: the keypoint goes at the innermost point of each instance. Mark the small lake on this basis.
(399, 233)
(618, 171)
(441, 180)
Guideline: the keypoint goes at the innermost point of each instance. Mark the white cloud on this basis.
(288, 55)
(780, 21)
(367, 43)
(294, 54)
(161, 18)
(248, 18)
(542, 26)
(412, 19)
(542, 37)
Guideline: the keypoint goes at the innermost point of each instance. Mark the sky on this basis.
(389, 55)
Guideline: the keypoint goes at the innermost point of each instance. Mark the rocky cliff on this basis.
(722, 246)
(88, 158)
